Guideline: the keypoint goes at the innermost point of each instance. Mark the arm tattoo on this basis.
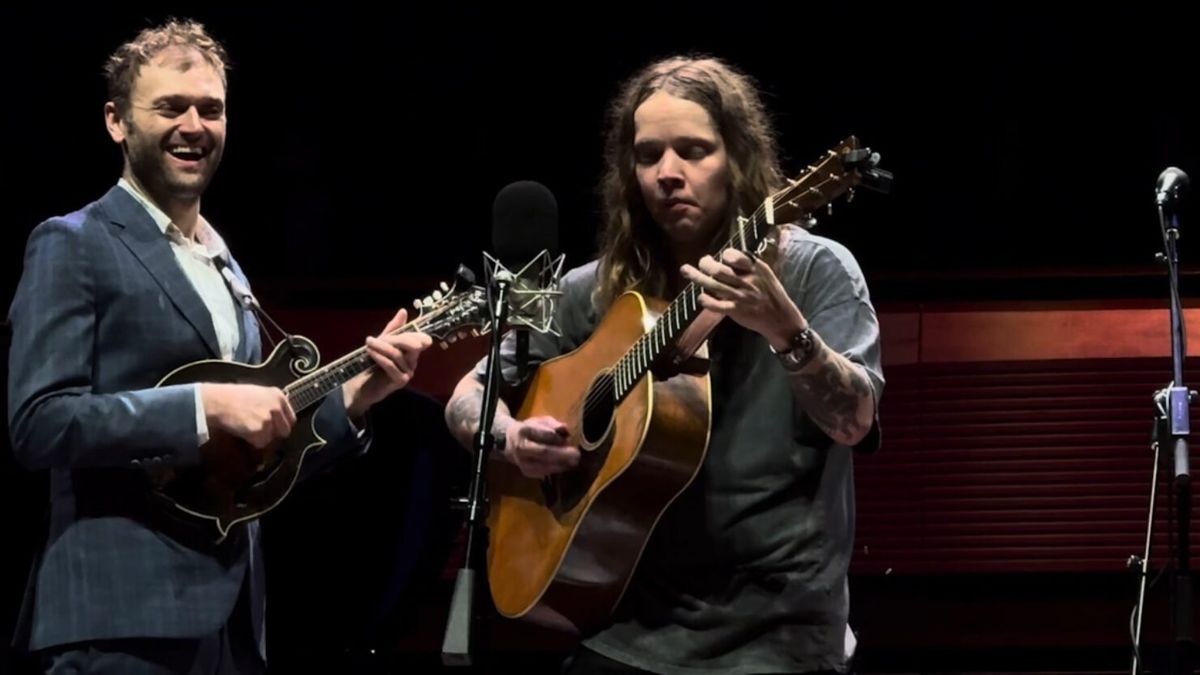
(462, 415)
(833, 393)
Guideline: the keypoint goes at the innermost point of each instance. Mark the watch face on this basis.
(805, 341)
(801, 351)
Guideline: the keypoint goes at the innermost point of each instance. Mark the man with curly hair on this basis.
(112, 298)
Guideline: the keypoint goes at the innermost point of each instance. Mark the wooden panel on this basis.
(1015, 436)
(1029, 485)
(1047, 333)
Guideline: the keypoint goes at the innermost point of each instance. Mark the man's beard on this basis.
(150, 166)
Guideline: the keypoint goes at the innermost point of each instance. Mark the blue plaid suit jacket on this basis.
(102, 312)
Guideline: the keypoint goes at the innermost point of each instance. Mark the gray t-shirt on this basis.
(746, 571)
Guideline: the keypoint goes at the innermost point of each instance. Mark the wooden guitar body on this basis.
(563, 549)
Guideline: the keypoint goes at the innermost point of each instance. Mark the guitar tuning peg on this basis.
(417, 303)
(849, 195)
(829, 208)
(452, 338)
(445, 287)
(474, 332)
(437, 295)
(443, 345)
(809, 223)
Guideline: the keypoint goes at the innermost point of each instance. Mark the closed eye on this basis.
(695, 150)
(647, 152)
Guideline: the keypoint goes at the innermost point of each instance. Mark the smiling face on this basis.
(173, 134)
(682, 168)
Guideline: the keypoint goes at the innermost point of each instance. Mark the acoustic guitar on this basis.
(635, 398)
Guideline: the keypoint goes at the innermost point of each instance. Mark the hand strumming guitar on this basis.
(538, 446)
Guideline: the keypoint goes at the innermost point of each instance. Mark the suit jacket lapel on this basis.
(138, 231)
(248, 350)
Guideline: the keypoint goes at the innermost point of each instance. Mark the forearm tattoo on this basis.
(462, 415)
(835, 394)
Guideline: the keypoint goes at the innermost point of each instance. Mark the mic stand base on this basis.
(456, 648)
(458, 645)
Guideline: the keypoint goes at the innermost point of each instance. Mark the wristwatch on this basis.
(800, 350)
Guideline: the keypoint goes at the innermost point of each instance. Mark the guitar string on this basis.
(597, 395)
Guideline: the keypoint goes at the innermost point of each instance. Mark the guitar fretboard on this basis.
(682, 311)
(814, 189)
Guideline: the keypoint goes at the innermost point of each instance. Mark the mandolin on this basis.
(236, 482)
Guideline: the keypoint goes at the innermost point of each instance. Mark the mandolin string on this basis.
(297, 387)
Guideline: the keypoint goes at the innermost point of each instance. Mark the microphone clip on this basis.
(533, 290)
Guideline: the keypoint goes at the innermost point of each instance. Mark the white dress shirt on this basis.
(196, 256)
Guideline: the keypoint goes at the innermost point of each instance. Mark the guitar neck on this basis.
(817, 187)
(683, 310)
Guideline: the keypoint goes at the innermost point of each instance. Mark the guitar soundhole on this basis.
(598, 410)
(563, 492)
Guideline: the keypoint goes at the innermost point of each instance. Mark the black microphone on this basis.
(524, 224)
(1172, 186)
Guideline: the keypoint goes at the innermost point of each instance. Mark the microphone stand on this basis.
(459, 640)
(1175, 424)
(1178, 400)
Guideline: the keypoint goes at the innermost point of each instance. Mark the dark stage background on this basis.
(366, 144)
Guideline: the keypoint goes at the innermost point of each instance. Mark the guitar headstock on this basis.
(838, 172)
(453, 311)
